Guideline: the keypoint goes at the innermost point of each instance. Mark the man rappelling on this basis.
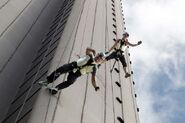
(118, 49)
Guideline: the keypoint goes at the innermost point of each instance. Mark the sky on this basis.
(159, 63)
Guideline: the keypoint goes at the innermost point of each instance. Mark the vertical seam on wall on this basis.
(86, 87)
(112, 95)
(92, 37)
(4, 4)
(121, 94)
(85, 27)
(105, 99)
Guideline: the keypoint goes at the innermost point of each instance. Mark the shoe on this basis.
(53, 90)
(43, 83)
(127, 75)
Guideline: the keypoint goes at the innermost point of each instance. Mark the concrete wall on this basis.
(23, 24)
(89, 25)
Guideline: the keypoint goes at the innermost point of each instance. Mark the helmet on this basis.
(125, 34)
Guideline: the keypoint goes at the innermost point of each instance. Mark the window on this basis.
(114, 32)
(114, 25)
(118, 99)
(113, 14)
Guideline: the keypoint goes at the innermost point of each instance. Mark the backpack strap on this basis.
(89, 62)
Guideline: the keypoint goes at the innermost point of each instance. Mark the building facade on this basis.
(37, 37)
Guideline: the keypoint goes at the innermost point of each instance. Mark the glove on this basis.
(139, 42)
(97, 88)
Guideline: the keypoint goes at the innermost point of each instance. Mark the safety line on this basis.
(112, 94)
(99, 77)
(86, 88)
(84, 101)
(113, 108)
(92, 36)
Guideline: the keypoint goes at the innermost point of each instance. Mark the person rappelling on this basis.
(118, 49)
(85, 65)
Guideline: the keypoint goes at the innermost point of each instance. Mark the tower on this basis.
(74, 25)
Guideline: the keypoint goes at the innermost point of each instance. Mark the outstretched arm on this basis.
(133, 45)
(93, 80)
(89, 51)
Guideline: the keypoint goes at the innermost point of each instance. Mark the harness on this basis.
(89, 62)
(122, 43)
(119, 51)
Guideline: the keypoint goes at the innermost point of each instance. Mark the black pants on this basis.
(61, 70)
(71, 78)
(119, 55)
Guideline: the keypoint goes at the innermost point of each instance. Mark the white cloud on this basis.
(160, 25)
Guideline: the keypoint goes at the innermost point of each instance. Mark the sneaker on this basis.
(43, 83)
(127, 75)
(53, 90)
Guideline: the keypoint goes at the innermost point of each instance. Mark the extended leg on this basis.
(61, 70)
(124, 64)
(113, 55)
(71, 78)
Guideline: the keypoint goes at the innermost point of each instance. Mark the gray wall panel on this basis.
(23, 24)
(91, 23)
